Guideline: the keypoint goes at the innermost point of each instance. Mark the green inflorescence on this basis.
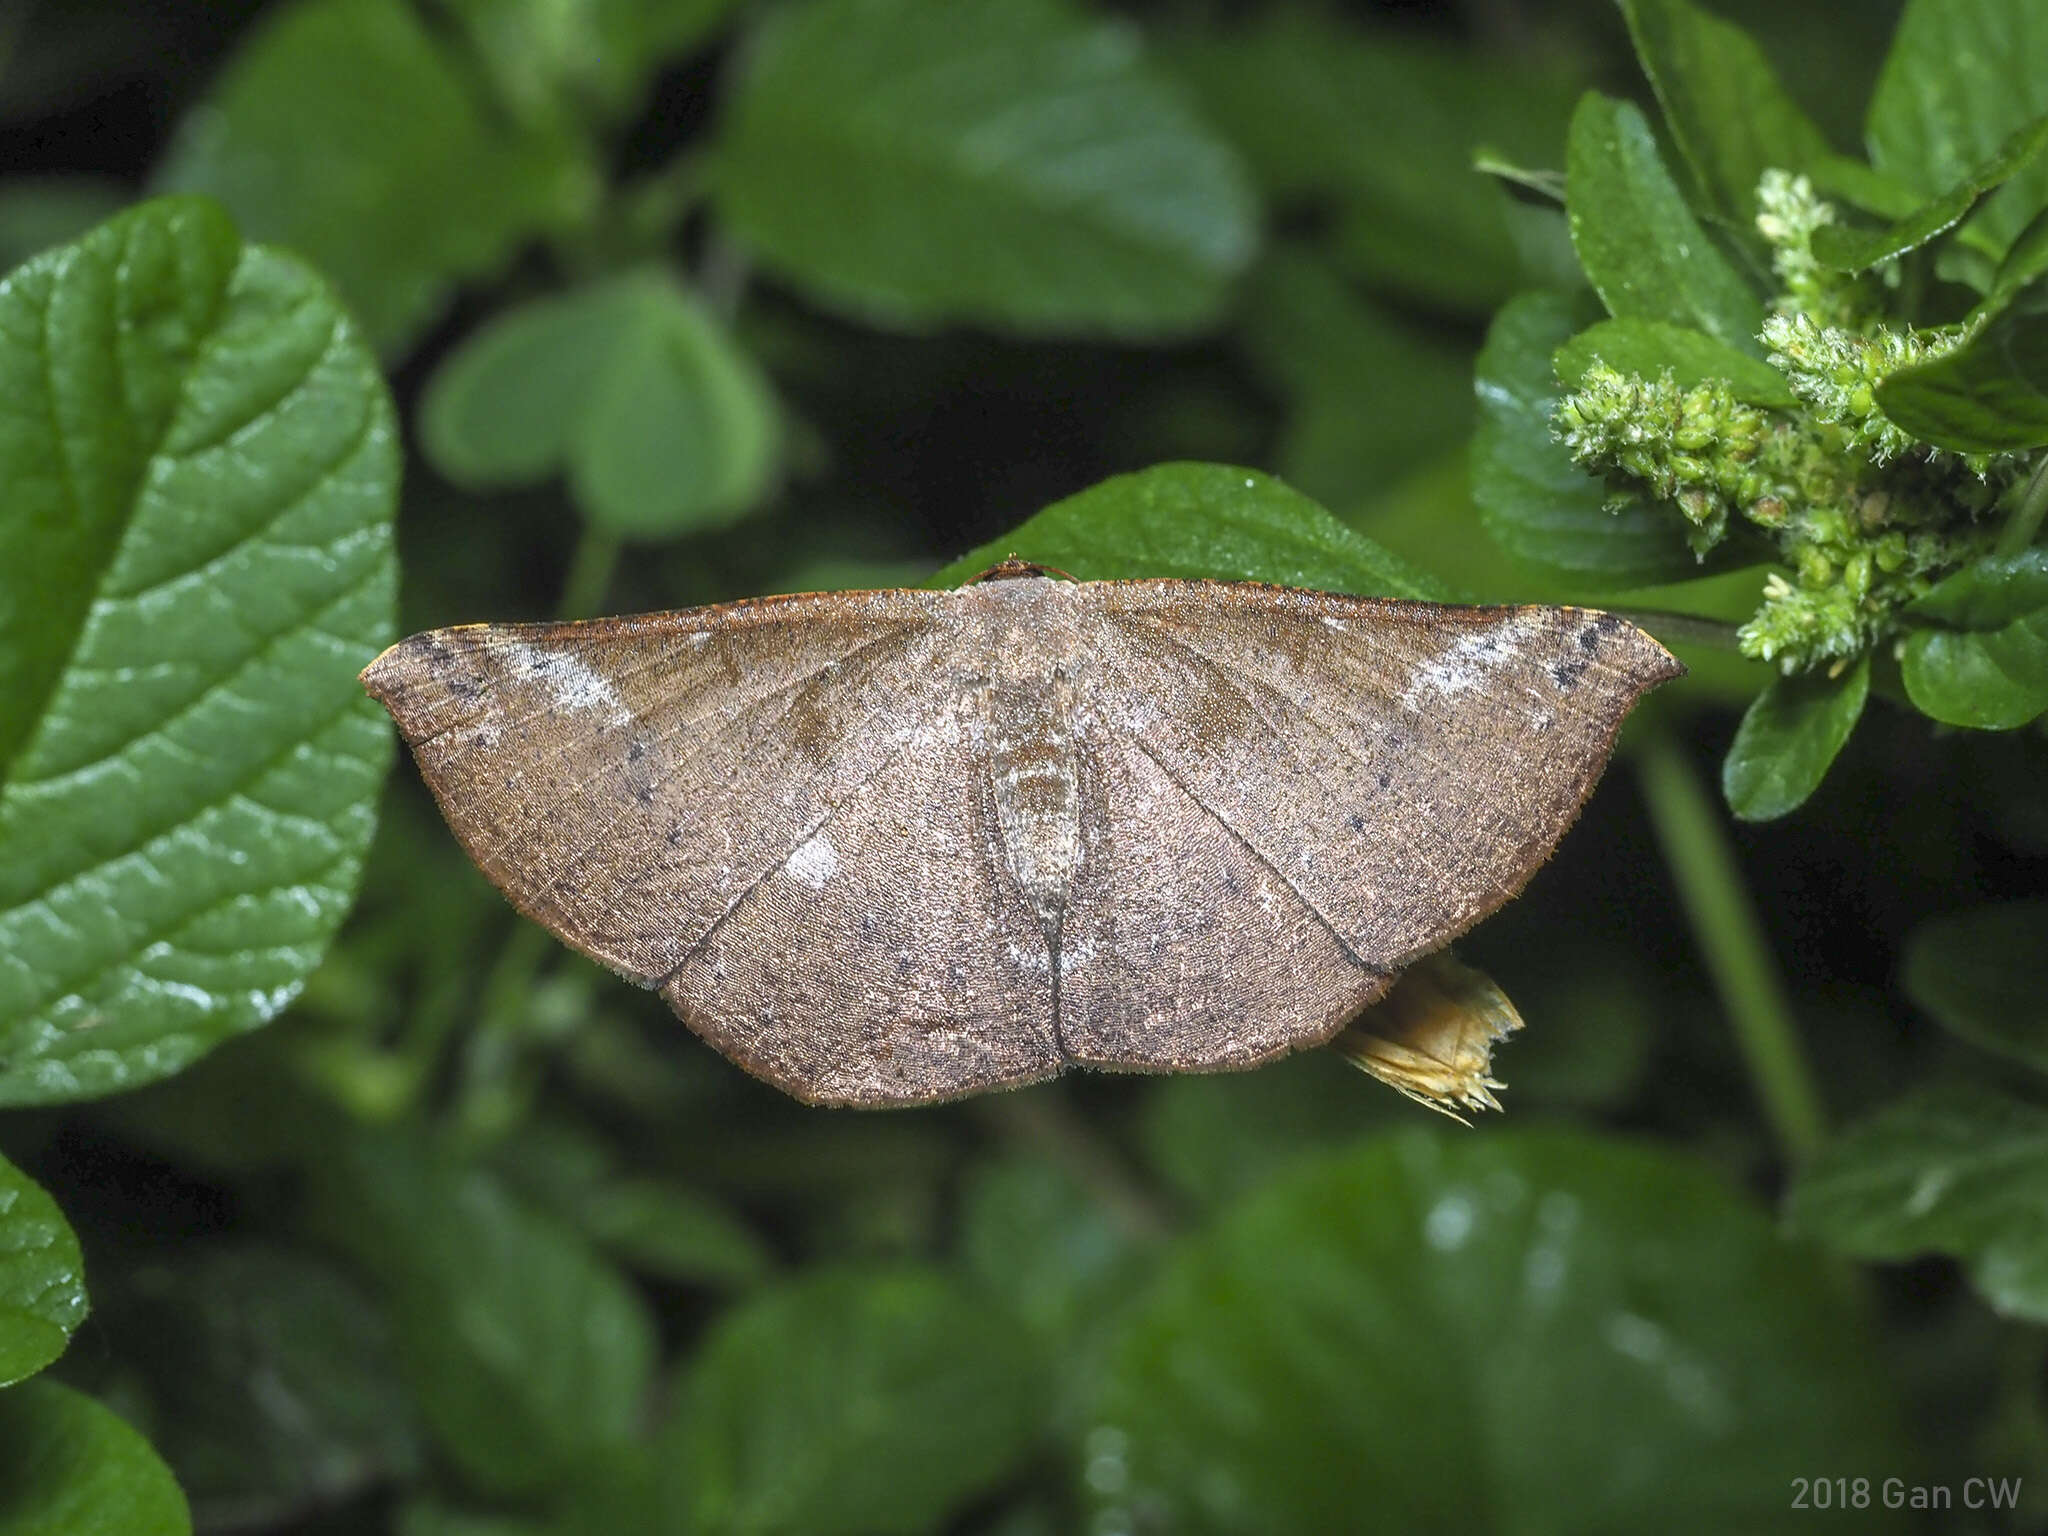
(1865, 517)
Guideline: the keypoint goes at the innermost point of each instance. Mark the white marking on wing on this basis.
(571, 684)
(1460, 669)
(815, 861)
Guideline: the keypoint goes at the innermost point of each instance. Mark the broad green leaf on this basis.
(1524, 1332)
(852, 1403)
(616, 1494)
(1994, 680)
(1853, 250)
(69, 1467)
(1988, 593)
(1955, 1170)
(1727, 112)
(1962, 75)
(674, 1233)
(1007, 162)
(1651, 348)
(1369, 398)
(1788, 738)
(1378, 127)
(1206, 520)
(1061, 1255)
(679, 432)
(194, 564)
(344, 129)
(42, 1278)
(555, 61)
(1533, 501)
(1990, 395)
(270, 1379)
(528, 1353)
(663, 423)
(1646, 254)
(502, 409)
(1983, 974)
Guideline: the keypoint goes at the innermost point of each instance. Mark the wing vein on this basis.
(576, 743)
(1249, 847)
(795, 689)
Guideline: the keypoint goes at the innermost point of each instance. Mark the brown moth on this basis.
(886, 848)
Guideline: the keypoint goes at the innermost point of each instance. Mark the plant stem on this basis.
(1701, 859)
(1687, 628)
(2020, 528)
(590, 574)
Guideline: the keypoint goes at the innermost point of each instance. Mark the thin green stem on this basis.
(590, 574)
(1685, 628)
(2020, 528)
(1694, 837)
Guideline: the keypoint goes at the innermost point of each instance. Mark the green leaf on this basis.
(344, 129)
(527, 1351)
(1031, 1234)
(1646, 254)
(1854, 250)
(679, 432)
(1990, 395)
(1983, 975)
(1651, 347)
(674, 1233)
(1994, 680)
(556, 61)
(2024, 265)
(503, 408)
(195, 561)
(1954, 1170)
(651, 1224)
(1533, 500)
(1369, 398)
(1728, 114)
(1007, 162)
(270, 1379)
(1316, 105)
(665, 426)
(42, 1278)
(852, 1404)
(1203, 520)
(1962, 76)
(1788, 738)
(69, 1467)
(1393, 1333)
(1988, 593)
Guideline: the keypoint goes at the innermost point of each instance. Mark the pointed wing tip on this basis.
(1651, 663)
(403, 677)
(397, 669)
